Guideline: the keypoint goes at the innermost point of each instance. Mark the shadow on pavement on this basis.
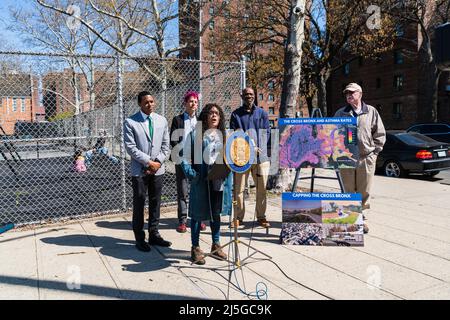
(118, 249)
(99, 291)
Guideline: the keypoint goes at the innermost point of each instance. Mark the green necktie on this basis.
(150, 127)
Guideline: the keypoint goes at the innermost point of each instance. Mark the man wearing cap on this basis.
(371, 139)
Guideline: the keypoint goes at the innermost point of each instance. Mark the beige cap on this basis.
(352, 87)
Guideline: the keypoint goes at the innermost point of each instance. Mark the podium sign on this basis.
(240, 152)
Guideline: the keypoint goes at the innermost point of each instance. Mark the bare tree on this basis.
(149, 19)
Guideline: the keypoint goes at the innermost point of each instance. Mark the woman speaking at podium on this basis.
(209, 198)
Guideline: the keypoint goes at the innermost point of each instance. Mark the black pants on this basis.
(182, 194)
(151, 185)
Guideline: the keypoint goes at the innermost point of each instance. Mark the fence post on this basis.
(243, 73)
(122, 115)
(164, 88)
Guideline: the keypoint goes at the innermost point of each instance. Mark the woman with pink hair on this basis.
(182, 125)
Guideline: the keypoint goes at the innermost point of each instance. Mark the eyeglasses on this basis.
(211, 113)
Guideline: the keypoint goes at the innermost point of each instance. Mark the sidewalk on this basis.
(406, 256)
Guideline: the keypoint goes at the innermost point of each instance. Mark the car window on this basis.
(426, 129)
(415, 129)
(412, 138)
(439, 128)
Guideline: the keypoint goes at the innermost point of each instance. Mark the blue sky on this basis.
(14, 41)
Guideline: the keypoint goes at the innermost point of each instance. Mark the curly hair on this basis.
(204, 118)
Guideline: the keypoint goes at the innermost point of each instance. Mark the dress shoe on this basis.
(264, 223)
(159, 241)
(238, 223)
(143, 246)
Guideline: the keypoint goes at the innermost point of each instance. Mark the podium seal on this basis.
(240, 152)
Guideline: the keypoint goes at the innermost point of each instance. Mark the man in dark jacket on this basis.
(255, 121)
(182, 125)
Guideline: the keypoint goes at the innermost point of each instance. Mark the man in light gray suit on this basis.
(147, 142)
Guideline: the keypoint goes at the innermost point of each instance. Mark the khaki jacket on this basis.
(371, 132)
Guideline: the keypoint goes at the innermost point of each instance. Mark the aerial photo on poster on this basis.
(322, 219)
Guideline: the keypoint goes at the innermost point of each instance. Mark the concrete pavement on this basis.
(406, 256)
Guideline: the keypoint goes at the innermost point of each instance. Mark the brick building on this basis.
(62, 90)
(19, 101)
(393, 83)
(268, 95)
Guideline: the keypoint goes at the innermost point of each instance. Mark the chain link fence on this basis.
(61, 140)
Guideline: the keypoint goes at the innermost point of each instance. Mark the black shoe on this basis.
(143, 246)
(159, 241)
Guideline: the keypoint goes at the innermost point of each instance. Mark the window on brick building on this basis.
(399, 30)
(398, 82)
(271, 110)
(346, 69)
(398, 57)
(14, 105)
(211, 10)
(397, 111)
(271, 97)
(260, 97)
(211, 25)
(22, 105)
(271, 84)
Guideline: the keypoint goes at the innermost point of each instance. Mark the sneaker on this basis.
(238, 223)
(182, 228)
(202, 227)
(264, 223)
(365, 228)
(197, 256)
(217, 252)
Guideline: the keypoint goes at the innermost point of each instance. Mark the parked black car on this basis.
(411, 152)
(436, 131)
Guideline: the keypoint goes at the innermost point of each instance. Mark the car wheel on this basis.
(393, 169)
(432, 173)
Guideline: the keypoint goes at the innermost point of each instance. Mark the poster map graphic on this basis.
(319, 143)
(322, 219)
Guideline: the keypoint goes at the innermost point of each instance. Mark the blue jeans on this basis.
(215, 230)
